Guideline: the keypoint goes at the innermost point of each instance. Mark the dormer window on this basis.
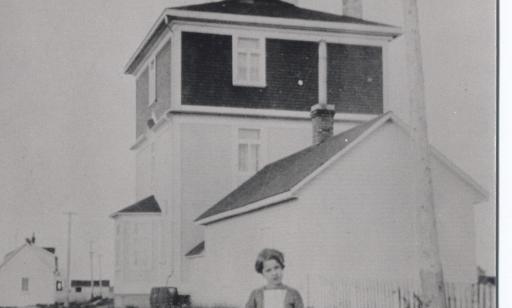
(249, 61)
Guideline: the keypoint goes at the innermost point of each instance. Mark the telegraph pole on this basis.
(91, 255)
(99, 268)
(431, 273)
(68, 261)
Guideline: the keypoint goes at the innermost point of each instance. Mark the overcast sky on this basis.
(67, 110)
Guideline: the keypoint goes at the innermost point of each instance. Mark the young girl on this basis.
(270, 264)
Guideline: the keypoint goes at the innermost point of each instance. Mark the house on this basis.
(223, 89)
(339, 209)
(29, 275)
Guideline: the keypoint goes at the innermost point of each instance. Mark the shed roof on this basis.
(278, 181)
(197, 250)
(147, 205)
(282, 175)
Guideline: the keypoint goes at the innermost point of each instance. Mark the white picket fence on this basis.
(323, 293)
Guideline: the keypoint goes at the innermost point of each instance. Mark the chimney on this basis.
(323, 118)
(322, 114)
(353, 8)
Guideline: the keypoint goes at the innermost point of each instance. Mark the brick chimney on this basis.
(353, 8)
(322, 114)
(322, 117)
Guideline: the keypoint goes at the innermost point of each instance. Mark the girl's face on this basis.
(273, 272)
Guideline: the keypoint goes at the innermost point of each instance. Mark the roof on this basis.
(197, 250)
(271, 8)
(147, 205)
(282, 175)
(278, 181)
(41, 253)
(273, 13)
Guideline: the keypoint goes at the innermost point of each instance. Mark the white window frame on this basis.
(152, 81)
(240, 176)
(262, 64)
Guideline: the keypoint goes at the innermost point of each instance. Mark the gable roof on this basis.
(277, 182)
(282, 175)
(147, 205)
(41, 252)
(271, 8)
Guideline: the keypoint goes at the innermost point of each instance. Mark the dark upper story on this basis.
(259, 57)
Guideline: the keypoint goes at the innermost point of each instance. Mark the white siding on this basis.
(355, 220)
(139, 254)
(208, 162)
(369, 221)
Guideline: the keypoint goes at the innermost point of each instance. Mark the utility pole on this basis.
(431, 273)
(91, 255)
(99, 268)
(68, 261)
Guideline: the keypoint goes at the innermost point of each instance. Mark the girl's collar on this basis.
(281, 286)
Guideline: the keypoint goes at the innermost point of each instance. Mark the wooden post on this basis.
(322, 73)
(68, 260)
(431, 273)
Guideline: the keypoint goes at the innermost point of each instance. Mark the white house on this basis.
(341, 209)
(222, 89)
(29, 275)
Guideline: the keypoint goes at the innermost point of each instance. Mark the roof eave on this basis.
(389, 32)
(128, 68)
(383, 30)
(277, 199)
(116, 214)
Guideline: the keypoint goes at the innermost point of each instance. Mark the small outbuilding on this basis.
(29, 275)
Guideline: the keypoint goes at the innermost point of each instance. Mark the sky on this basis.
(68, 111)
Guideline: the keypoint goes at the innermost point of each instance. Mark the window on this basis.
(24, 284)
(152, 81)
(249, 153)
(58, 285)
(249, 61)
(78, 289)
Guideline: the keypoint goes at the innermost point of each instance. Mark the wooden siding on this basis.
(163, 90)
(141, 102)
(207, 74)
(355, 78)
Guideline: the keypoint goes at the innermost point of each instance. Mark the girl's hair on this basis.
(268, 254)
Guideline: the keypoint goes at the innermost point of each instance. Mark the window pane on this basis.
(242, 66)
(24, 284)
(242, 157)
(248, 43)
(254, 67)
(251, 134)
(254, 161)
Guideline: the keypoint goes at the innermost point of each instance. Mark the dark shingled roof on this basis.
(197, 250)
(148, 205)
(284, 174)
(271, 8)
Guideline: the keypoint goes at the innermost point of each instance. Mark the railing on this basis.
(323, 293)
